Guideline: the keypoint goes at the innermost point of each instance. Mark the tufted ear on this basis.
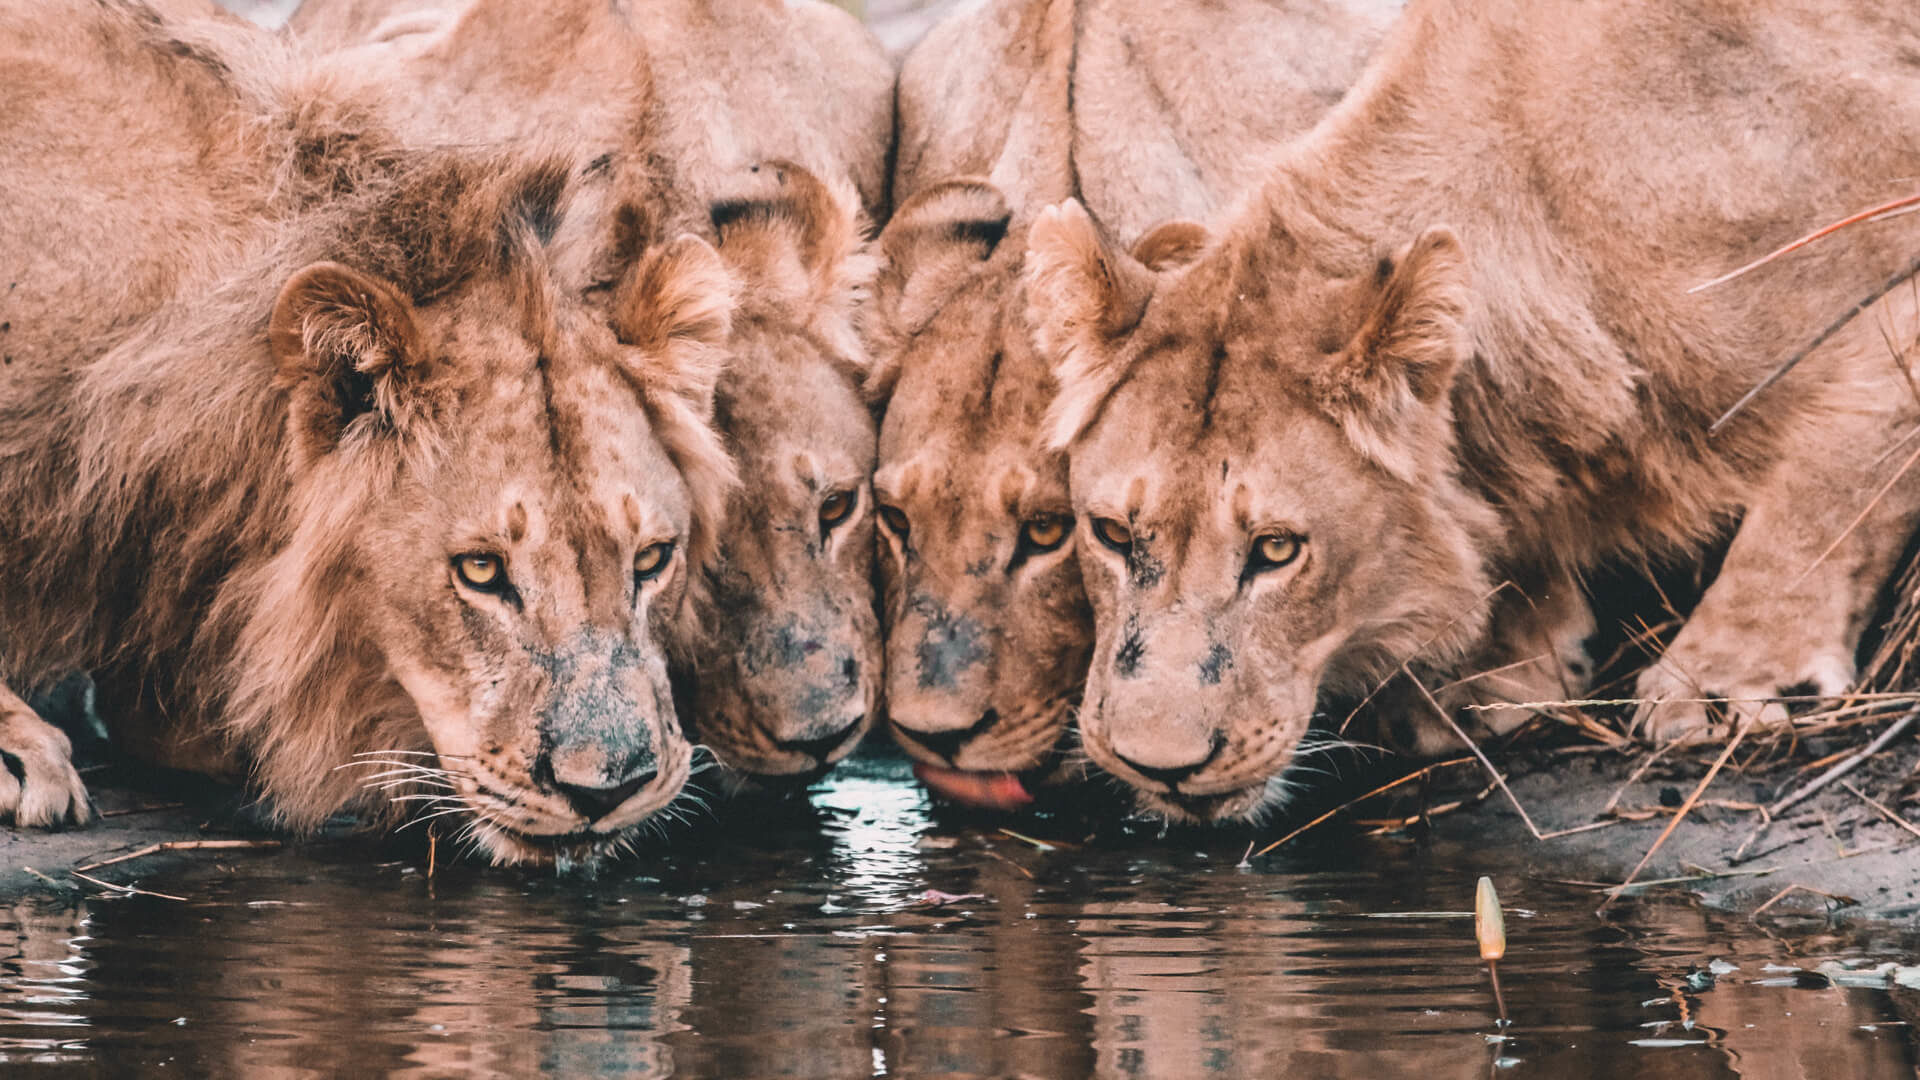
(675, 305)
(935, 242)
(1400, 364)
(675, 308)
(1083, 297)
(345, 345)
(1171, 244)
(794, 243)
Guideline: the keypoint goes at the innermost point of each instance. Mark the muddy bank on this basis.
(1834, 842)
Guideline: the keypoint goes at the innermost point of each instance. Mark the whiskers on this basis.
(402, 776)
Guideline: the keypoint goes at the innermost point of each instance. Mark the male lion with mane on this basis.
(772, 153)
(1451, 346)
(1005, 109)
(309, 459)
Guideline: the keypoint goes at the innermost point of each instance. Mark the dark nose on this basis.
(947, 744)
(1172, 775)
(594, 803)
(822, 748)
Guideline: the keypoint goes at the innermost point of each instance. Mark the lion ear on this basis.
(1083, 297)
(1400, 364)
(1171, 244)
(795, 241)
(932, 245)
(675, 308)
(345, 345)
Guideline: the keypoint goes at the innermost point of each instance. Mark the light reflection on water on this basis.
(802, 951)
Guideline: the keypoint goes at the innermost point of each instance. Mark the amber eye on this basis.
(481, 572)
(836, 507)
(1045, 533)
(1275, 549)
(1113, 534)
(652, 559)
(895, 520)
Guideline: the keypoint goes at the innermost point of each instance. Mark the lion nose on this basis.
(594, 803)
(823, 747)
(947, 743)
(1172, 775)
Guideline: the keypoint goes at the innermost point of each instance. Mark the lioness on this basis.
(679, 112)
(1450, 344)
(307, 456)
(1004, 109)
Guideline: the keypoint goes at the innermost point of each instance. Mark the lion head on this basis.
(497, 503)
(790, 679)
(1262, 468)
(987, 631)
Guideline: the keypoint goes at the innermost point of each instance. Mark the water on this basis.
(808, 949)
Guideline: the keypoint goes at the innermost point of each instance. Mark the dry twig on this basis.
(1882, 808)
(127, 889)
(1699, 790)
(1893, 732)
(181, 845)
(1351, 803)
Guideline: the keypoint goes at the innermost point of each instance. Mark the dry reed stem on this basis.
(127, 889)
(181, 845)
(1825, 230)
(1351, 803)
(1699, 790)
(1862, 515)
(1843, 901)
(1819, 339)
(1893, 732)
(1882, 808)
(1525, 818)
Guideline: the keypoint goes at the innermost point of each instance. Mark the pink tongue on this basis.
(991, 790)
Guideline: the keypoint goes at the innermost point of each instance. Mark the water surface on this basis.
(811, 948)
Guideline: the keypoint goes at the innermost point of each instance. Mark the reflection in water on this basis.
(809, 951)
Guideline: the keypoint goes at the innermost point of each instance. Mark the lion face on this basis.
(505, 499)
(1248, 540)
(987, 631)
(788, 677)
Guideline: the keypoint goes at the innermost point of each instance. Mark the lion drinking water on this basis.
(1447, 359)
(776, 153)
(1004, 109)
(310, 458)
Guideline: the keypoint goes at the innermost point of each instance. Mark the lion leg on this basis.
(1537, 651)
(1799, 584)
(38, 783)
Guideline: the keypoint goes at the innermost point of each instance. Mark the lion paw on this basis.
(38, 784)
(1674, 695)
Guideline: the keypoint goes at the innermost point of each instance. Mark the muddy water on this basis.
(809, 949)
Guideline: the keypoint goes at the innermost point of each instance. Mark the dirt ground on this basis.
(1833, 842)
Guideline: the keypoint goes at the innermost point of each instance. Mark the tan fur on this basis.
(1450, 344)
(268, 374)
(763, 126)
(1144, 111)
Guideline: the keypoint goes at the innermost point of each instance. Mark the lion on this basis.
(1451, 351)
(778, 158)
(1004, 109)
(309, 457)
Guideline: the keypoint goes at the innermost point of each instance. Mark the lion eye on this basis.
(481, 572)
(1113, 534)
(1045, 533)
(894, 520)
(1274, 550)
(652, 559)
(836, 508)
